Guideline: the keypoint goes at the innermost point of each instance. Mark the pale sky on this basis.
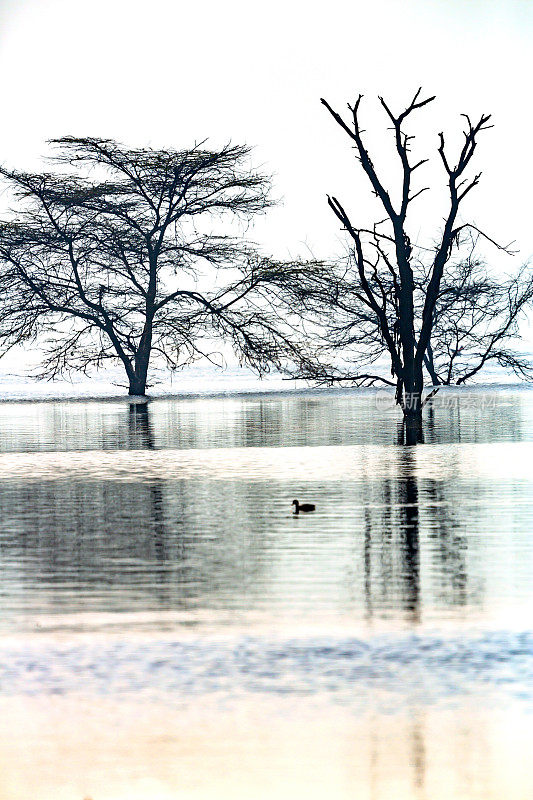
(168, 73)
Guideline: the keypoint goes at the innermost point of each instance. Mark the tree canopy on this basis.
(133, 255)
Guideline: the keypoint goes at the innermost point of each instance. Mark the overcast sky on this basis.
(169, 72)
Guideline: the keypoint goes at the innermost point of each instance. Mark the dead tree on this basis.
(477, 322)
(132, 255)
(394, 310)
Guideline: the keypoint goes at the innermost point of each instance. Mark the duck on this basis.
(305, 507)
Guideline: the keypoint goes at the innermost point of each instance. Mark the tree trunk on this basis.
(137, 386)
(414, 433)
(412, 406)
(142, 360)
(140, 374)
(430, 366)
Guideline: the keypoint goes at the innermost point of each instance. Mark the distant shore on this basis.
(81, 393)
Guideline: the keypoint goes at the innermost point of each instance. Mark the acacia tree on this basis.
(119, 257)
(386, 299)
(18, 317)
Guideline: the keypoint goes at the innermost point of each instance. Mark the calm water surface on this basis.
(155, 582)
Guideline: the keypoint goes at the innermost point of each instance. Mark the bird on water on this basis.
(305, 507)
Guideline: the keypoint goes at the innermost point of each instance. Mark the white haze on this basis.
(169, 73)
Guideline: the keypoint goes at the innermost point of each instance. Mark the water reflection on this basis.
(403, 533)
(430, 754)
(408, 492)
(278, 421)
(157, 588)
(140, 427)
(141, 437)
(392, 533)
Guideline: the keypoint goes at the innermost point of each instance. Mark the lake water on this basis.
(171, 630)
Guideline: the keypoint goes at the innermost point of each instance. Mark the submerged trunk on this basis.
(412, 406)
(140, 429)
(414, 433)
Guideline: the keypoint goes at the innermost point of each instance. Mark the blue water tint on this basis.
(166, 530)
(388, 671)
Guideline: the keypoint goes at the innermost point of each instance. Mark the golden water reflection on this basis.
(70, 749)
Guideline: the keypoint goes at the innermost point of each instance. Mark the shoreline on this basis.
(256, 393)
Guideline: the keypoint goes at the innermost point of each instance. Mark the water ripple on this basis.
(388, 670)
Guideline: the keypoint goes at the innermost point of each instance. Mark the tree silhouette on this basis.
(476, 322)
(391, 294)
(132, 254)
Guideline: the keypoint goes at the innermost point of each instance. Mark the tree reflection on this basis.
(410, 431)
(369, 605)
(398, 514)
(177, 537)
(450, 547)
(391, 532)
(410, 546)
(141, 437)
(139, 427)
(418, 750)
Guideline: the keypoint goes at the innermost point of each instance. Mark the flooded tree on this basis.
(477, 322)
(132, 255)
(391, 296)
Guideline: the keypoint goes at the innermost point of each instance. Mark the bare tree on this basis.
(386, 300)
(117, 256)
(476, 322)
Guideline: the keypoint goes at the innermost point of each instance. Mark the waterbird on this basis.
(302, 507)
